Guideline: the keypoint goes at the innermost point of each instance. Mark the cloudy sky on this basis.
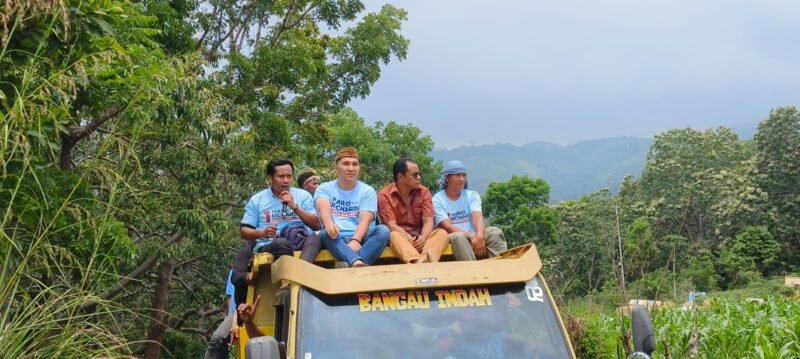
(564, 71)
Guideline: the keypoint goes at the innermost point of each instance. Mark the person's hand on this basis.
(286, 197)
(479, 245)
(247, 312)
(332, 231)
(354, 245)
(270, 231)
(234, 334)
(418, 242)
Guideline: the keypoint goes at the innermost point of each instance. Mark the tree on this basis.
(379, 146)
(582, 258)
(519, 208)
(778, 143)
(757, 245)
(680, 184)
(639, 249)
(142, 142)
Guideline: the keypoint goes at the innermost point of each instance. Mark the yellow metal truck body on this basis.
(498, 305)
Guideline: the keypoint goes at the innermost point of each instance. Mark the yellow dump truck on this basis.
(492, 308)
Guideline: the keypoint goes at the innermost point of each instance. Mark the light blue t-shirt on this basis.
(345, 205)
(459, 212)
(265, 209)
(229, 290)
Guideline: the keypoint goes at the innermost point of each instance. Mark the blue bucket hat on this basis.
(451, 168)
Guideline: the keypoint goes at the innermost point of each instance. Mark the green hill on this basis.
(572, 170)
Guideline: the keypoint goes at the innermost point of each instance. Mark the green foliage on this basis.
(182, 345)
(519, 208)
(581, 259)
(778, 143)
(757, 287)
(757, 245)
(681, 183)
(379, 147)
(639, 248)
(733, 329)
(700, 272)
(655, 284)
(596, 339)
(135, 131)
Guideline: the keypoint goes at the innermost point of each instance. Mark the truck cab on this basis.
(493, 308)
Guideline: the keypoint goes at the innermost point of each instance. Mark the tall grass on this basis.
(51, 231)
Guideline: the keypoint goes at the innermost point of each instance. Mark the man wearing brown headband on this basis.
(346, 208)
(308, 181)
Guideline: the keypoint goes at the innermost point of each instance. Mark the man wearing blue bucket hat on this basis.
(457, 210)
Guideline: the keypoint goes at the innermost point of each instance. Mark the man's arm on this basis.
(427, 227)
(326, 217)
(309, 219)
(252, 234)
(450, 228)
(388, 216)
(247, 312)
(303, 209)
(396, 228)
(478, 241)
(364, 220)
(249, 222)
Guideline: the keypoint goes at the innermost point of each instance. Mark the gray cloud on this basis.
(565, 71)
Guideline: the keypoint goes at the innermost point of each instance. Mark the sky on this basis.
(564, 71)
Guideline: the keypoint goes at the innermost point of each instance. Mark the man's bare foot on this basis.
(359, 263)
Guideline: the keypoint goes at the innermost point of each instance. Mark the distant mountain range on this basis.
(571, 170)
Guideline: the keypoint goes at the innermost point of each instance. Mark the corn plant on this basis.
(733, 329)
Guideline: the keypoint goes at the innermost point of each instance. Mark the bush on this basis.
(593, 335)
(700, 272)
(756, 244)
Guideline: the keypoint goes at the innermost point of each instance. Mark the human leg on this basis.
(462, 247)
(278, 247)
(495, 241)
(311, 247)
(402, 247)
(374, 243)
(436, 244)
(217, 347)
(241, 266)
(339, 248)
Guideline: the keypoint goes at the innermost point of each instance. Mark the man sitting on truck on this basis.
(308, 181)
(347, 209)
(457, 210)
(277, 220)
(406, 207)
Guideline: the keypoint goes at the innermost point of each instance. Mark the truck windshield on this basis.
(492, 321)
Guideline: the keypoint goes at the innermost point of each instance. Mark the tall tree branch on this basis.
(69, 140)
(143, 268)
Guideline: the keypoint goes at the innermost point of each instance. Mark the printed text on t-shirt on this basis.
(344, 208)
(461, 216)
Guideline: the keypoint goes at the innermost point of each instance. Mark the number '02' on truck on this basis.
(493, 308)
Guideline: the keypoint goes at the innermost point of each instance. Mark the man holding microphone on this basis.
(277, 220)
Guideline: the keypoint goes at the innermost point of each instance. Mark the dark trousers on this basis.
(278, 247)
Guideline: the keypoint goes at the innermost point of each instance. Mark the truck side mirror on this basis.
(644, 338)
(265, 347)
